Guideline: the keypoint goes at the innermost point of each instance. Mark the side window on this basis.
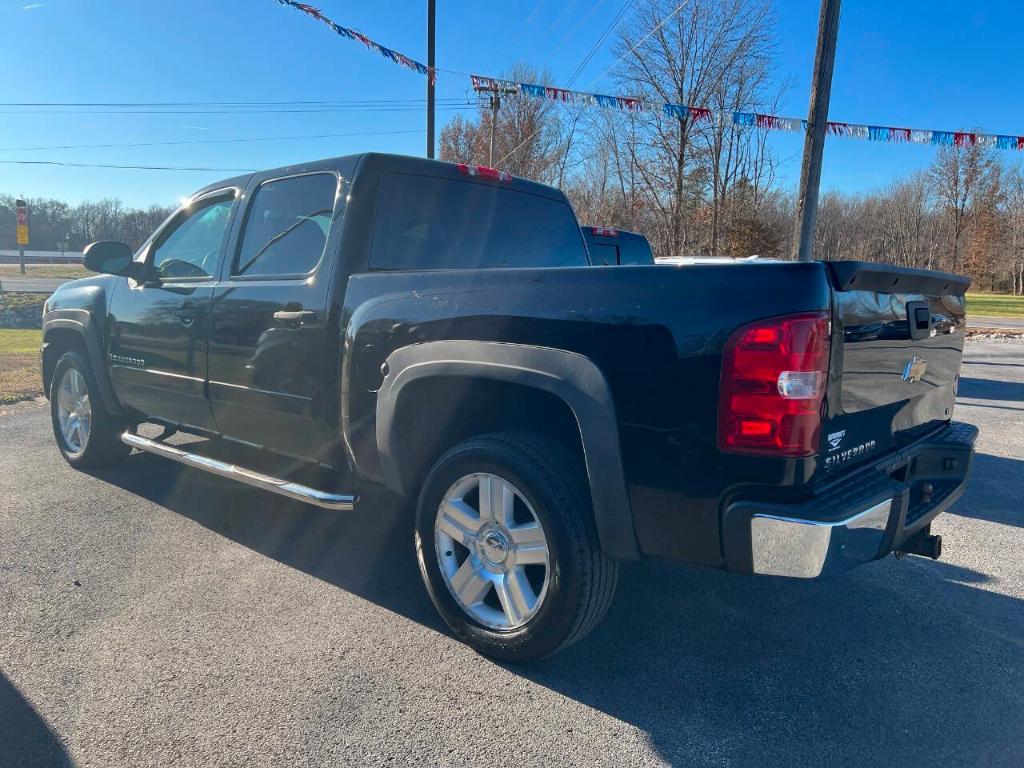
(192, 247)
(286, 229)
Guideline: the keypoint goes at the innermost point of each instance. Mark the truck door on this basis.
(271, 361)
(157, 348)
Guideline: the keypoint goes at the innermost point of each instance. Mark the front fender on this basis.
(573, 378)
(81, 307)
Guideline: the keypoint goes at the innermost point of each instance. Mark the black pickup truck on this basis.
(438, 329)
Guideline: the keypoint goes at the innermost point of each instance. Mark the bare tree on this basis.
(712, 52)
(530, 136)
(960, 176)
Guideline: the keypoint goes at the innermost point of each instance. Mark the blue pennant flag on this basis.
(744, 118)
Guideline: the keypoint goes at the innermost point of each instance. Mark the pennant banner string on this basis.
(352, 34)
(890, 134)
(680, 111)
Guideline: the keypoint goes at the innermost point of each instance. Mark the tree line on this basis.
(710, 187)
(55, 225)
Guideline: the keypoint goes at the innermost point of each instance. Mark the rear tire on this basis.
(87, 435)
(522, 576)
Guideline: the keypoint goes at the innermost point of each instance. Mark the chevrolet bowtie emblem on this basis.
(915, 369)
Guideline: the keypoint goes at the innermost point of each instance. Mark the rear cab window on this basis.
(287, 226)
(424, 222)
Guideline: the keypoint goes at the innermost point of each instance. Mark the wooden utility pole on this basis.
(817, 122)
(431, 14)
(495, 104)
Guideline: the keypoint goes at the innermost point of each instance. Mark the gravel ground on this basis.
(154, 615)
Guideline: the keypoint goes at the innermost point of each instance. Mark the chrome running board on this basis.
(335, 501)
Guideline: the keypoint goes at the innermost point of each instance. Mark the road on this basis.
(153, 615)
(979, 321)
(29, 284)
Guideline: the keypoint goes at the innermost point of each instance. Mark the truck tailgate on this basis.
(898, 338)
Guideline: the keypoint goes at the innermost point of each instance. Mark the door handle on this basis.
(186, 313)
(296, 317)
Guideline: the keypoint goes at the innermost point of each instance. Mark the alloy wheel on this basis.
(492, 551)
(74, 412)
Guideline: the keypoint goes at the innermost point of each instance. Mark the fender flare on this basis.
(81, 322)
(571, 377)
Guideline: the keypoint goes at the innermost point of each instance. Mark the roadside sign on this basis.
(21, 213)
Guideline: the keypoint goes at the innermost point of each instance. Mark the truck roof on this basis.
(382, 162)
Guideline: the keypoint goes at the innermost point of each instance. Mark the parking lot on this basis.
(154, 615)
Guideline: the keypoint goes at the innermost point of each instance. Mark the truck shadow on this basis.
(990, 389)
(994, 491)
(25, 738)
(915, 661)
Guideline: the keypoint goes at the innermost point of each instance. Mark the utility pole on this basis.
(817, 122)
(494, 89)
(495, 104)
(431, 15)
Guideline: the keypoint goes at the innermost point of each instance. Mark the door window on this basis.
(286, 230)
(193, 245)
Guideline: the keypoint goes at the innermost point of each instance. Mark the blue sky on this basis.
(936, 64)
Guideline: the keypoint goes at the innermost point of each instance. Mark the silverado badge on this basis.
(915, 369)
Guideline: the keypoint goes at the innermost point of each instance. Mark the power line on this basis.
(586, 59)
(583, 20)
(643, 39)
(462, 104)
(207, 141)
(289, 102)
(600, 41)
(123, 167)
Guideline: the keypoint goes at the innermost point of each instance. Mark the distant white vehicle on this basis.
(683, 261)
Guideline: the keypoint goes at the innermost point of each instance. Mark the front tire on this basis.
(507, 546)
(87, 435)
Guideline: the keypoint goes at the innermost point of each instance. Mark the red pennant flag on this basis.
(962, 139)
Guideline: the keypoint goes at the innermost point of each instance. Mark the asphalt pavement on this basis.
(153, 615)
(29, 284)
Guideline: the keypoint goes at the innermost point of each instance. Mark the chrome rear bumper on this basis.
(858, 518)
(789, 546)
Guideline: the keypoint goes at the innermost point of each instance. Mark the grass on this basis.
(44, 270)
(13, 300)
(19, 365)
(994, 305)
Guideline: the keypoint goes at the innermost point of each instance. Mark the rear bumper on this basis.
(861, 518)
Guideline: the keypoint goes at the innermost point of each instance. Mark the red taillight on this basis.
(605, 231)
(773, 381)
(485, 172)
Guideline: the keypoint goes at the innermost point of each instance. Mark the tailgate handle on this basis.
(919, 318)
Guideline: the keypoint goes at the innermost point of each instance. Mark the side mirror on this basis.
(107, 257)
